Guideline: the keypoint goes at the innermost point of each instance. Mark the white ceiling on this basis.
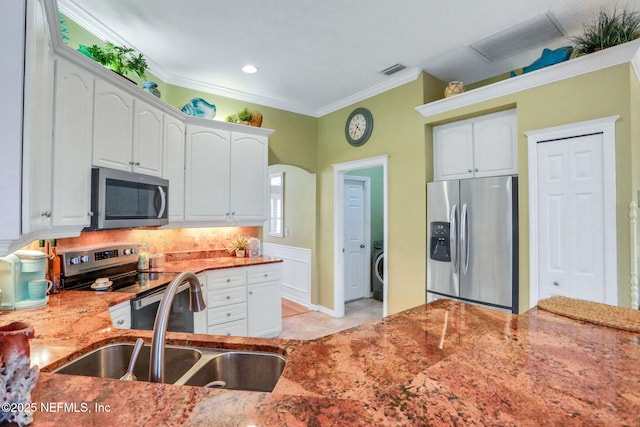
(316, 56)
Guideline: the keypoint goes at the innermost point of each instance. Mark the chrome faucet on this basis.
(196, 303)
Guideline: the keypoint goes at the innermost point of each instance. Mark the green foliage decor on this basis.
(241, 116)
(120, 59)
(607, 30)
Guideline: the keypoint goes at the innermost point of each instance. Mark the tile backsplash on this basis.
(160, 241)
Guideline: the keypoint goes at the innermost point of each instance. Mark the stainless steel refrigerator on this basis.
(472, 241)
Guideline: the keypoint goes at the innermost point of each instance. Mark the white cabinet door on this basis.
(248, 184)
(73, 129)
(147, 139)
(478, 147)
(173, 167)
(113, 127)
(264, 311)
(495, 144)
(38, 120)
(207, 174)
(453, 151)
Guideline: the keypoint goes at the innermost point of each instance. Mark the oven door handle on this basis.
(154, 298)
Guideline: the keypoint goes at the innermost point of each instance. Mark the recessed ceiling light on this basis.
(249, 69)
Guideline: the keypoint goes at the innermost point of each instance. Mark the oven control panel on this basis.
(95, 258)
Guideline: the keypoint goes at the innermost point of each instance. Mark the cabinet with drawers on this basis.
(243, 301)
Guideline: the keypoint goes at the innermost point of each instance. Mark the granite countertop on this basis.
(199, 265)
(445, 363)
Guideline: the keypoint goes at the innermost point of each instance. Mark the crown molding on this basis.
(71, 9)
(624, 53)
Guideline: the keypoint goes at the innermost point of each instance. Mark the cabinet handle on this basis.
(228, 280)
(228, 297)
(469, 170)
(90, 213)
(250, 292)
(131, 163)
(228, 334)
(556, 284)
(266, 275)
(476, 169)
(120, 322)
(137, 163)
(46, 214)
(233, 213)
(228, 314)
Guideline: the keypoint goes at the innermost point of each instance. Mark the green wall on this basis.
(590, 96)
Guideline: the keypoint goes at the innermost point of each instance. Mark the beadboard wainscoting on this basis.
(296, 271)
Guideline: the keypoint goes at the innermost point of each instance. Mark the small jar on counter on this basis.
(143, 257)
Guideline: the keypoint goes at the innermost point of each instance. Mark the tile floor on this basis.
(313, 324)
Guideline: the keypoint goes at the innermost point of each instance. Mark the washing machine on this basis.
(377, 270)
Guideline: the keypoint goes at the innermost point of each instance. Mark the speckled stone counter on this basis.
(445, 363)
(199, 265)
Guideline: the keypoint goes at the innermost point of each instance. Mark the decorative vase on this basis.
(256, 118)
(453, 88)
(151, 87)
(17, 379)
(240, 253)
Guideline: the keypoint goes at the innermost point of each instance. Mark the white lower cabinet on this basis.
(121, 315)
(243, 301)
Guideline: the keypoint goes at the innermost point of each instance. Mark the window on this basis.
(276, 204)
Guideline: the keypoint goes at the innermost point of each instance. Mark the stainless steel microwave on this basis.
(124, 199)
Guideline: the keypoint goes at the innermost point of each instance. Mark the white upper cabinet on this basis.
(478, 147)
(248, 182)
(127, 132)
(37, 120)
(226, 176)
(207, 174)
(174, 166)
(112, 127)
(73, 131)
(147, 139)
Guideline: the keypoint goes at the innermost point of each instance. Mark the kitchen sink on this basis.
(202, 367)
(237, 370)
(112, 360)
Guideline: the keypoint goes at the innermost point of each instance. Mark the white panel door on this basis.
(173, 168)
(571, 218)
(248, 177)
(72, 145)
(207, 174)
(453, 151)
(354, 240)
(112, 127)
(147, 139)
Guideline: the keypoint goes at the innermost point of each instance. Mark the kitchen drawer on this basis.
(238, 328)
(262, 274)
(228, 313)
(226, 278)
(226, 296)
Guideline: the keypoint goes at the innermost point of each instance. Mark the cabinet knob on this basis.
(476, 169)
(137, 163)
(90, 213)
(228, 280)
(469, 170)
(266, 275)
(233, 213)
(46, 214)
(131, 163)
(250, 292)
(228, 334)
(228, 314)
(120, 322)
(556, 284)
(228, 297)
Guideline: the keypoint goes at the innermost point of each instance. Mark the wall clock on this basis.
(359, 126)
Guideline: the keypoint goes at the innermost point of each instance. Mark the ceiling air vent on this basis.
(526, 35)
(393, 69)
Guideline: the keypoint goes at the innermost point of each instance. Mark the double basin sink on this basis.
(203, 367)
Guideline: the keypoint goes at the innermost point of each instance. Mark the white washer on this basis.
(377, 270)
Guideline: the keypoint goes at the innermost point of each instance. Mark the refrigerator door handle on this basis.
(453, 237)
(464, 239)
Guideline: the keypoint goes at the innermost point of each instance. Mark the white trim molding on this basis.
(606, 126)
(633, 250)
(339, 172)
(624, 53)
